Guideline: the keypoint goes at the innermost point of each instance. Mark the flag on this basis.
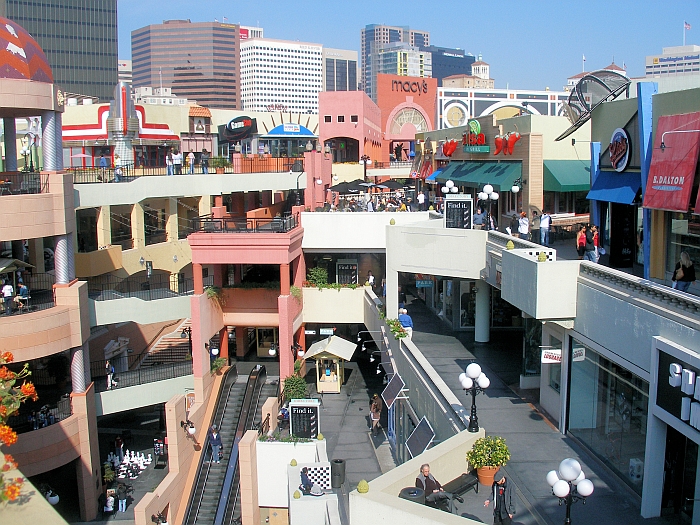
(624, 66)
(224, 19)
(686, 26)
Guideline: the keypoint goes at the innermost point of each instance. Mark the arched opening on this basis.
(344, 149)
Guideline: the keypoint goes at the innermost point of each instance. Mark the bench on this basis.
(462, 484)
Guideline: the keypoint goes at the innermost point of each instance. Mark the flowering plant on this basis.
(490, 451)
(11, 396)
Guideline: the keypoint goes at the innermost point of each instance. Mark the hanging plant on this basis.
(396, 328)
(216, 294)
(217, 364)
(295, 292)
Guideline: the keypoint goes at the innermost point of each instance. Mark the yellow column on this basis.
(138, 228)
(104, 226)
(204, 205)
(171, 225)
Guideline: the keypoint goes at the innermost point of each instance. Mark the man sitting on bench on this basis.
(434, 493)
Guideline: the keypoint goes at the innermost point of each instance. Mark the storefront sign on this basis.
(310, 332)
(553, 355)
(619, 150)
(458, 212)
(237, 129)
(326, 331)
(474, 140)
(678, 390)
(304, 418)
(424, 283)
(410, 87)
(292, 128)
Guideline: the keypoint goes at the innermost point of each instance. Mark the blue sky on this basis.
(529, 44)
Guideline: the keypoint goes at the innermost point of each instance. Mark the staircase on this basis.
(170, 348)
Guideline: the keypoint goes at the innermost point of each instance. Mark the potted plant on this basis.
(487, 455)
(217, 364)
(109, 476)
(216, 294)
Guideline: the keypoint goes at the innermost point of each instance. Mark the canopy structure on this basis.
(290, 131)
(566, 175)
(330, 355)
(11, 265)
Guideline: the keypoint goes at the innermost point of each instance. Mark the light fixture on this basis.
(379, 369)
(335, 178)
(662, 146)
(214, 351)
(189, 427)
(474, 382)
(517, 185)
(327, 150)
(309, 146)
(174, 258)
(449, 187)
(272, 352)
(569, 484)
(319, 181)
(142, 261)
(318, 147)
(297, 351)
(488, 195)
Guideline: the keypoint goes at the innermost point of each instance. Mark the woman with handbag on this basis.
(684, 273)
(581, 242)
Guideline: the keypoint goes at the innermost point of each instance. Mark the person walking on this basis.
(434, 493)
(119, 448)
(589, 253)
(545, 225)
(121, 497)
(204, 161)
(479, 219)
(523, 226)
(406, 322)
(103, 168)
(375, 412)
(581, 241)
(421, 201)
(190, 161)
(7, 292)
(117, 168)
(177, 162)
(535, 226)
(109, 370)
(684, 273)
(215, 442)
(169, 163)
(502, 499)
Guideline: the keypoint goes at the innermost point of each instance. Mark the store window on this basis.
(608, 413)
(341, 118)
(327, 118)
(555, 368)
(684, 235)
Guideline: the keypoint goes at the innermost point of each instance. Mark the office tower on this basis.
(198, 61)
(448, 61)
(397, 58)
(377, 34)
(674, 61)
(79, 38)
(124, 71)
(339, 70)
(279, 75)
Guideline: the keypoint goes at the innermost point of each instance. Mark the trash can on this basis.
(413, 494)
(337, 473)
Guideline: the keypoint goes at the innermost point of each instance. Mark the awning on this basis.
(672, 171)
(611, 186)
(289, 131)
(434, 175)
(334, 345)
(500, 174)
(10, 265)
(566, 176)
(448, 171)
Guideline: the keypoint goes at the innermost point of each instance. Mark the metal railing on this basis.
(264, 426)
(142, 287)
(23, 183)
(95, 174)
(142, 376)
(392, 164)
(242, 225)
(26, 421)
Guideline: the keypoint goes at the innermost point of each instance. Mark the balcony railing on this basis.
(26, 421)
(141, 287)
(23, 183)
(142, 376)
(40, 294)
(92, 174)
(241, 225)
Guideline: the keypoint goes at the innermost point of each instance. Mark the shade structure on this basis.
(11, 265)
(501, 174)
(611, 186)
(333, 345)
(566, 175)
(392, 184)
(434, 175)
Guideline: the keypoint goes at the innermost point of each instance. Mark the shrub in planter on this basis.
(318, 276)
(489, 451)
(294, 388)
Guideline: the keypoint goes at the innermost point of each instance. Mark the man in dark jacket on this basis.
(434, 493)
(503, 500)
(589, 254)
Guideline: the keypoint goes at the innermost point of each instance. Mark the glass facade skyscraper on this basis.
(79, 38)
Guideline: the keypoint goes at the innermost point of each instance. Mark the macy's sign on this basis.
(409, 87)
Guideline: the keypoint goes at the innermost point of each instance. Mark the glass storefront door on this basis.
(679, 476)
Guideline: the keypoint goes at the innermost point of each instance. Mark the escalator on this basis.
(216, 486)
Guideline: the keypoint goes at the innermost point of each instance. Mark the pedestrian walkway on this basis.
(535, 444)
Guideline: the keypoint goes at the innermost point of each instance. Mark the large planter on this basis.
(486, 475)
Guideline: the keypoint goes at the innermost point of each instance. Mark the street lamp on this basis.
(474, 381)
(449, 187)
(309, 147)
(365, 161)
(272, 352)
(187, 332)
(297, 166)
(569, 485)
(489, 196)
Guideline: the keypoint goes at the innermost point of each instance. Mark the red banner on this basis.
(672, 171)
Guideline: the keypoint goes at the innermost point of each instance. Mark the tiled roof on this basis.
(199, 111)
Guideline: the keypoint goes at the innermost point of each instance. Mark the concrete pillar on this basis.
(223, 345)
(64, 259)
(138, 226)
(104, 226)
(237, 274)
(238, 204)
(482, 314)
(51, 153)
(284, 279)
(266, 198)
(654, 459)
(204, 205)
(172, 221)
(299, 271)
(241, 341)
(10, 143)
(77, 369)
(219, 270)
(88, 464)
(251, 200)
(392, 294)
(36, 255)
(197, 278)
(58, 136)
(218, 201)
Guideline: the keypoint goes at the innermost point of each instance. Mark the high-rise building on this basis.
(125, 71)
(198, 61)
(674, 61)
(448, 62)
(79, 38)
(247, 32)
(339, 70)
(377, 34)
(397, 58)
(280, 75)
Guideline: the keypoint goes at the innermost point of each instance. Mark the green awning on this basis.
(448, 172)
(499, 174)
(566, 175)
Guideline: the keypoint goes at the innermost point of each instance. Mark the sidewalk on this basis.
(536, 445)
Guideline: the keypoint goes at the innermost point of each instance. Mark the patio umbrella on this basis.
(341, 187)
(392, 184)
(81, 156)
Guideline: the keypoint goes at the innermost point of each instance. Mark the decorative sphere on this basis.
(552, 477)
(585, 487)
(272, 352)
(297, 494)
(293, 463)
(363, 487)
(483, 381)
(580, 478)
(482, 196)
(569, 469)
(466, 382)
(474, 370)
(494, 196)
(488, 189)
(450, 184)
(515, 189)
(319, 437)
(392, 221)
(561, 489)
(444, 189)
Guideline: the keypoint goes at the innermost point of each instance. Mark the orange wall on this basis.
(251, 307)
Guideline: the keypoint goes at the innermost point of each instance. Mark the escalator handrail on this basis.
(257, 375)
(232, 370)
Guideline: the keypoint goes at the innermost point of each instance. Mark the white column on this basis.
(77, 369)
(482, 331)
(86, 363)
(58, 137)
(64, 259)
(48, 129)
(392, 294)
(654, 458)
(10, 143)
